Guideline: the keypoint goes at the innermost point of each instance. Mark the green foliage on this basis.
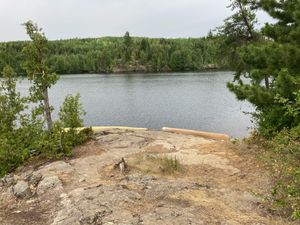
(286, 171)
(22, 122)
(238, 30)
(128, 46)
(13, 149)
(120, 54)
(170, 165)
(270, 66)
(11, 103)
(71, 111)
(270, 63)
(37, 70)
(167, 165)
(13, 152)
(61, 141)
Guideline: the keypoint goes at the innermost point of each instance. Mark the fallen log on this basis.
(209, 135)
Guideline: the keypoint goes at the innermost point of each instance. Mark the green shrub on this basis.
(286, 170)
(13, 149)
(12, 154)
(61, 142)
(71, 111)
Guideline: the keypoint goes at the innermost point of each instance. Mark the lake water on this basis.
(198, 101)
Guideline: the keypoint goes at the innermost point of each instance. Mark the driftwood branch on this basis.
(121, 165)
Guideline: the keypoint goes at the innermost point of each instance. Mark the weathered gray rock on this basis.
(7, 194)
(34, 179)
(55, 168)
(22, 190)
(49, 183)
(7, 180)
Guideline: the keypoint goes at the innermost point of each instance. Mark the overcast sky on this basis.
(62, 19)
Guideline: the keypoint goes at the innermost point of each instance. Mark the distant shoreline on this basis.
(148, 72)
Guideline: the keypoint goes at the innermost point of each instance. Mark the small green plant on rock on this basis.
(165, 164)
(285, 164)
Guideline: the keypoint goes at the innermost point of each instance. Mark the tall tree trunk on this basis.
(267, 83)
(47, 108)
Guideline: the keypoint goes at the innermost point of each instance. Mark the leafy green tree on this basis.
(12, 149)
(71, 112)
(11, 102)
(105, 61)
(37, 70)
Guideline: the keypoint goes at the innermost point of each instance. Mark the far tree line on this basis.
(123, 54)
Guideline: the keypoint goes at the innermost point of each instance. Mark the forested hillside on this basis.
(123, 54)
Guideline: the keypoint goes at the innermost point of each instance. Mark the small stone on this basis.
(34, 179)
(63, 195)
(31, 201)
(52, 182)
(9, 193)
(21, 189)
(7, 180)
(81, 180)
(17, 178)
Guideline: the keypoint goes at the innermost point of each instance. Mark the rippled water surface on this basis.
(186, 100)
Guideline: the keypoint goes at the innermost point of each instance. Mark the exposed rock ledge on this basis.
(214, 187)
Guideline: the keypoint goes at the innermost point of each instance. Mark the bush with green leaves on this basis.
(13, 150)
(286, 171)
(71, 112)
(61, 141)
(23, 120)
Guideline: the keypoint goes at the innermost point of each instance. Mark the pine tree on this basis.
(128, 46)
(273, 67)
(238, 30)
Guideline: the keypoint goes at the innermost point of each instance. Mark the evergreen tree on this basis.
(273, 67)
(128, 46)
(37, 70)
(238, 30)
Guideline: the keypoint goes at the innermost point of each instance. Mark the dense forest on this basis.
(123, 54)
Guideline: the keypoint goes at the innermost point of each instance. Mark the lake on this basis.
(198, 101)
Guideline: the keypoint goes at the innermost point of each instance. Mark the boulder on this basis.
(49, 183)
(22, 190)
